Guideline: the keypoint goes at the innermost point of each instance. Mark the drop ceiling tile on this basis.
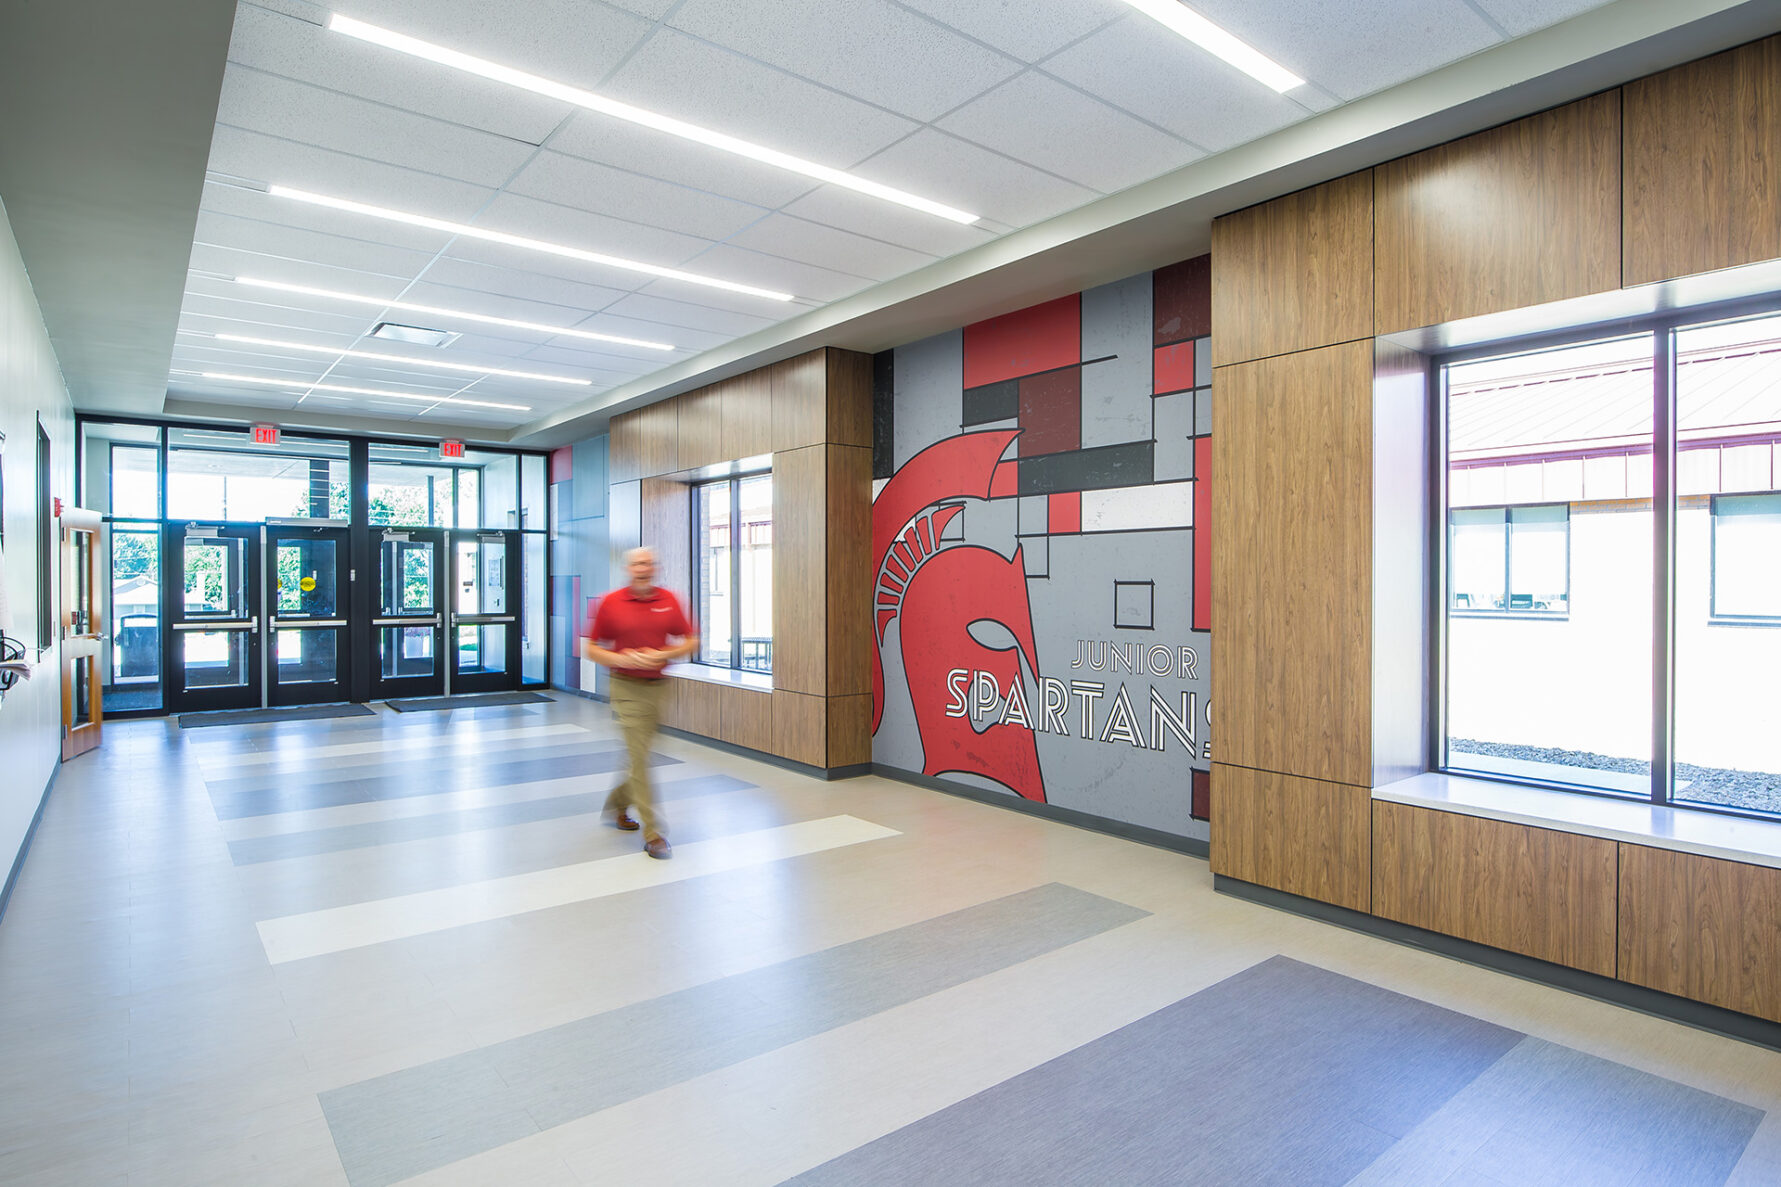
(681, 76)
(519, 215)
(592, 137)
(1158, 76)
(1354, 49)
(764, 271)
(601, 189)
(224, 262)
(593, 362)
(453, 281)
(289, 243)
(829, 247)
(870, 48)
(849, 211)
(263, 207)
(1027, 29)
(266, 315)
(569, 41)
(267, 159)
(664, 311)
(301, 50)
(684, 339)
(1058, 128)
(517, 259)
(973, 178)
(304, 114)
(1520, 17)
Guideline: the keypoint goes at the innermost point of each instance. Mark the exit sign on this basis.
(265, 434)
(451, 449)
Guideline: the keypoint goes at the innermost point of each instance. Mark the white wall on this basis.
(30, 384)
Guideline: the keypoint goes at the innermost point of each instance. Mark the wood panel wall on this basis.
(1305, 836)
(1702, 928)
(813, 413)
(1703, 174)
(1541, 893)
(1520, 215)
(1294, 273)
(1292, 564)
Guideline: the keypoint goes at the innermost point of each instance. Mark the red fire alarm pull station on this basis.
(265, 434)
(451, 449)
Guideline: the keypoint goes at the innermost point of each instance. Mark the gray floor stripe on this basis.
(420, 779)
(339, 768)
(1283, 1074)
(252, 850)
(412, 1121)
(1546, 1114)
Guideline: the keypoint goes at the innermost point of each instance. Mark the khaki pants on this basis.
(638, 706)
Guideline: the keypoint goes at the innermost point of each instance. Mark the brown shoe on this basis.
(658, 848)
(624, 822)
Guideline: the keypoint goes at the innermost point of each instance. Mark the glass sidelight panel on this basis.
(307, 578)
(216, 659)
(135, 608)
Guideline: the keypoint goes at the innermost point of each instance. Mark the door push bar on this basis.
(252, 624)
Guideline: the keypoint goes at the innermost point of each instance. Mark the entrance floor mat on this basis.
(467, 701)
(255, 716)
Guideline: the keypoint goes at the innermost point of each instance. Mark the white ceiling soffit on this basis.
(106, 114)
(1169, 218)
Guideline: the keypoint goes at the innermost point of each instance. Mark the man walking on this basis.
(629, 634)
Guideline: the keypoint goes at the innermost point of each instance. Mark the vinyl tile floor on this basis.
(404, 949)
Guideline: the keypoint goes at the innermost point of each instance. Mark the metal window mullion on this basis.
(1663, 563)
(735, 573)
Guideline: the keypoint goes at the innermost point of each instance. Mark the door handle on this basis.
(431, 621)
(480, 619)
(297, 624)
(252, 624)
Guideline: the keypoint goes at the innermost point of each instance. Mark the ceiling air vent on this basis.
(415, 335)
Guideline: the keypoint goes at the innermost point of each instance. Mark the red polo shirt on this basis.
(623, 621)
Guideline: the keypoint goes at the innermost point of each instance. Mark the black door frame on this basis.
(509, 678)
(340, 688)
(177, 698)
(385, 687)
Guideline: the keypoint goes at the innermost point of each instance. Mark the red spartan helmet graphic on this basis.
(938, 591)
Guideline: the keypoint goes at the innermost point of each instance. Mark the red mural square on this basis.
(1202, 533)
(1172, 368)
(1051, 412)
(562, 464)
(1201, 806)
(1181, 300)
(1004, 482)
(1038, 338)
(1063, 513)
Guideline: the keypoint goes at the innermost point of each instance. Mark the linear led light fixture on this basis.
(466, 368)
(363, 391)
(381, 303)
(637, 115)
(1181, 19)
(555, 249)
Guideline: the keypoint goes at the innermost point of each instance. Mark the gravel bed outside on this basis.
(1755, 791)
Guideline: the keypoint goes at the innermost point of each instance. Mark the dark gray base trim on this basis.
(803, 768)
(1192, 846)
(18, 862)
(1700, 1015)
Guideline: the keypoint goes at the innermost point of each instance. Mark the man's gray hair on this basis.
(632, 554)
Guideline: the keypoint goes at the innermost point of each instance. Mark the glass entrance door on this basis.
(306, 577)
(211, 605)
(410, 621)
(484, 622)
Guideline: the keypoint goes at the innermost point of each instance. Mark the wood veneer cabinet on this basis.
(1702, 928)
(1703, 165)
(1535, 891)
(1305, 836)
(1292, 564)
(1294, 273)
(1520, 215)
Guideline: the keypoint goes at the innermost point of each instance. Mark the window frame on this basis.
(733, 483)
(1509, 609)
(1714, 614)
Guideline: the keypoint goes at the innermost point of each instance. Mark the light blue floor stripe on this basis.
(403, 1124)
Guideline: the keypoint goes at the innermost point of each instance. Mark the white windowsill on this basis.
(757, 681)
(1754, 842)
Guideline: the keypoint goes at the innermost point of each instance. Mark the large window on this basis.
(733, 538)
(221, 474)
(1613, 575)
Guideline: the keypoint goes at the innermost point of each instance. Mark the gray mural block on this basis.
(1116, 394)
(1203, 412)
(1174, 436)
(929, 392)
(588, 473)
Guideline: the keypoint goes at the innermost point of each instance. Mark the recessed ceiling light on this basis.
(589, 335)
(637, 115)
(1218, 42)
(467, 368)
(413, 335)
(363, 391)
(555, 249)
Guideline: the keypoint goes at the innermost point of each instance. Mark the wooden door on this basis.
(82, 710)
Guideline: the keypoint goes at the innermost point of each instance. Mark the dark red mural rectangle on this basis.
(562, 464)
(1181, 300)
(1051, 411)
(1063, 513)
(1041, 338)
(1172, 368)
(1201, 807)
(1202, 533)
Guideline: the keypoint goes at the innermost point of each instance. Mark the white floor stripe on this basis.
(378, 811)
(338, 929)
(390, 743)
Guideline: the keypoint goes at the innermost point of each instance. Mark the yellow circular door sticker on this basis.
(307, 585)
